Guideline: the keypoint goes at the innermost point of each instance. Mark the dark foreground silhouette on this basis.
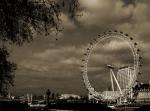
(13, 106)
(17, 106)
(80, 107)
(144, 108)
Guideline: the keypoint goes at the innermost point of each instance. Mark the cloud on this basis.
(35, 66)
(66, 22)
(71, 60)
(50, 61)
(116, 45)
(55, 64)
(105, 12)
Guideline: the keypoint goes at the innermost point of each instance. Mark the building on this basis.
(142, 93)
(68, 96)
(111, 95)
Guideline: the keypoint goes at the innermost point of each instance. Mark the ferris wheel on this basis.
(128, 74)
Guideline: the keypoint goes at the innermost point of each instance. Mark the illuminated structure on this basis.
(67, 96)
(128, 75)
(125, 76)
(142, 93)
(110, 95)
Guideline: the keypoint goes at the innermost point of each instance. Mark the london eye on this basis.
(124, 78)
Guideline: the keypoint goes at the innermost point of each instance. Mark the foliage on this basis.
(7, 69)
(20, 19)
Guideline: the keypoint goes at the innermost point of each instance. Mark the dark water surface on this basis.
(17, 106)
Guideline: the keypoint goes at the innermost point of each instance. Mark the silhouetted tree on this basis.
(53, 95)
(48, 94)
(57, 95)
(7, 69)
(19, 19)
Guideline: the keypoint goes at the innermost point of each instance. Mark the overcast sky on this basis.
(46, 63)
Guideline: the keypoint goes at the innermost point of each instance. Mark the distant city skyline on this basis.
(49, 64)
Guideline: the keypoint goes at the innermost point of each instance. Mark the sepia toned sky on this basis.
(46, 63)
